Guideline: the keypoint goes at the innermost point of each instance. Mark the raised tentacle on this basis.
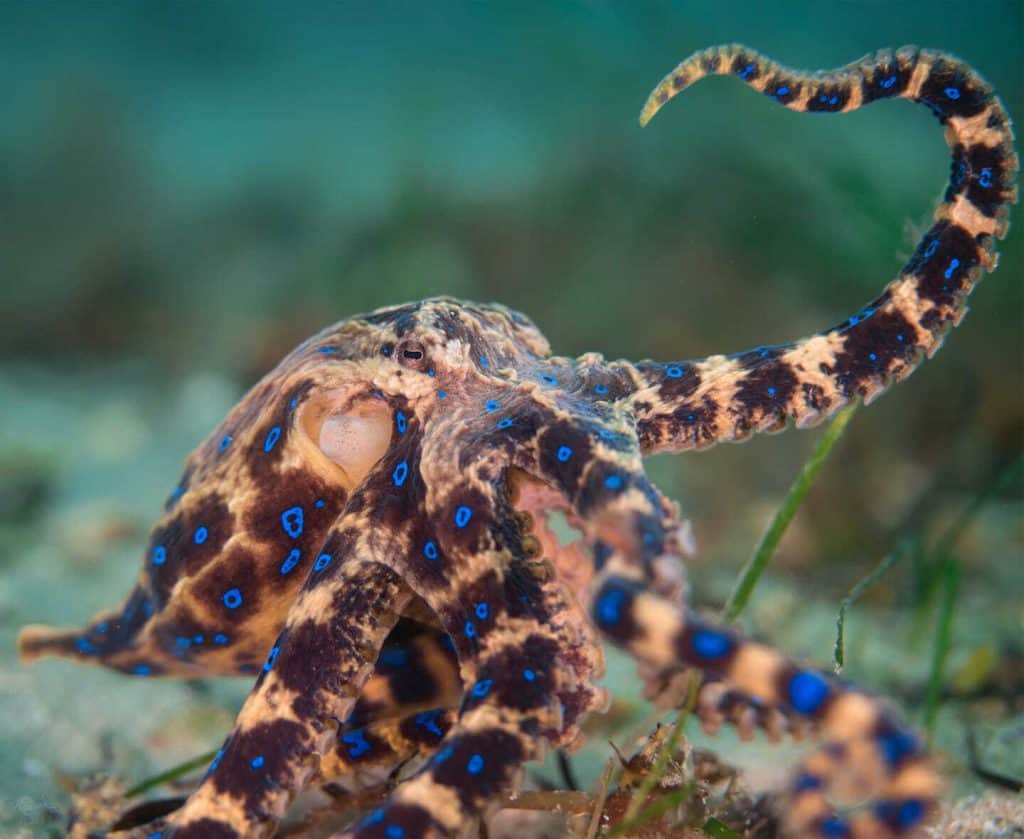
(694, 404)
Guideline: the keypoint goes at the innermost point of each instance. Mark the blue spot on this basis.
(475, 765)
(232, 598)
(322, 562)
(900, 338)
(613, 482)
(529, 675)
(256, 762)
(319, 504)
(746, 71)
(158, 835)
(491, 405)
(952, 93)
(326, 350)
(462, 516)
(292, 521)
(873, 356)
(895, 746)
(147, 608)
(220, 639)
(386, 350)
(401, 473)
(400, 422)
(428, 720)
(609, 606)
(482, 688)
(782, 91)
(954, 263)
(484, 361)
(600, 390)
(835, 828)
(911, 813)
(85, 646)
(142, 670)
(442, 395)
(159, 555)
(710, 644)
(200, 535)
(469, 629)
(443, 755)
(430, 550)
(393, 657)
(481, 611)
(771, 391)
(889, 82)
(933, 246)
(293, 402)
(807, 691)
(272, 437)
(184, 642)
(394, 831)
(225, 442)
(805, 782)
(985, 178)
(547, 377)
(216, 760)
(290, 561)
(268, 665)
(606, 434)
(504, 423)
(357, 740)
(101, 627)
(563, 454)
(431, 372)
(376, 817)
(674, 372)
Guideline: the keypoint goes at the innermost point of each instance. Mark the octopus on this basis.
(366, 532)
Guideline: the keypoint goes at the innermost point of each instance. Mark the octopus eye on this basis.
(410, 354)
(353, 436)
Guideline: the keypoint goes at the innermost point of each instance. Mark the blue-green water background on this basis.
(188, 189)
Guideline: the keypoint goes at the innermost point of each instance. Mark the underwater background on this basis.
(187, 190)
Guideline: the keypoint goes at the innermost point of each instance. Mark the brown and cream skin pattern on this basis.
(365, 531)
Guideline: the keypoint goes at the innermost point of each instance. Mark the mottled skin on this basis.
(360, 565)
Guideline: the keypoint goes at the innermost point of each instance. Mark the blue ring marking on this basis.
(985, 178)
(428, 720)
(482, 688)
(933, 246)
(782, 91)
(271, 658)
(442, 395)
(272, 437)
(491, 405)
(293, 402)
(430, 550)
(563, 454)
(911, 812)
(86, 647)
(481, 611)
(292, 521)
(835, 828)
(158, 835)
(469, 629)
(386, 350)
(771, 391)
(225, 442)
(462, 516)
(954, 263)
(873, 356)
(475, 765)
(142, 670)
(101, 627)
(357, 740)
(529, 675)
(613, 482)
(159, 555)
(200, 535)
(376, 817)
(547, 377)
(322, 562)
(183, 642)
(232, 598)
(290, 561)
(394, 831)
(326, 350)
(319, 504)
(807, 691)
(198, 639)
(707, 643)
(674, 371)
(600, 390)
(484, 362)
(952, 93)
(896, 745)
(505, 422)
(746, 71)
(400, 422)
(256, 762)
(443, 755)
(401, 473)
(806, 782)
(220, 639)
(609, 606)
(431, 372)
(147, 608)
(606, 434)
(889, 82)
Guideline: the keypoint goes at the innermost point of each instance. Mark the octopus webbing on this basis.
(365, 531)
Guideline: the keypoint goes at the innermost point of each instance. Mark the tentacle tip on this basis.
(38, 641)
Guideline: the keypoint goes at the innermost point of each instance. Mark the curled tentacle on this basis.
(694, 404)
